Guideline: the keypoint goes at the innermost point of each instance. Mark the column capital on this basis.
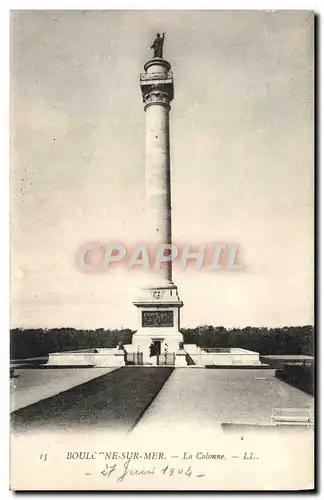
(156, 97)
(157, 83)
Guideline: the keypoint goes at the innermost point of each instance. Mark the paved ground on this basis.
(34, 384)
(198, 397)
(61, 398)
(116, 400)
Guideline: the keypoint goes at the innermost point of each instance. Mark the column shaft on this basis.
(157, 176)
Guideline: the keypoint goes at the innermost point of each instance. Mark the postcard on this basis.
(162, 250)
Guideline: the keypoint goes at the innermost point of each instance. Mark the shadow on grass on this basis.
(116, 400)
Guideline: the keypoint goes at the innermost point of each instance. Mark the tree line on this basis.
(39, 342)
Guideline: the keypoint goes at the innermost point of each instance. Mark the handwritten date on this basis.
(126, 470)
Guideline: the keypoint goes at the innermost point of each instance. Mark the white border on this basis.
(5, 7)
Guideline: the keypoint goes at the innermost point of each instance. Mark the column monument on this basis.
(158, 304)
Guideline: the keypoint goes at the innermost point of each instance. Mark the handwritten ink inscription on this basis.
(157, 319)
(127, 470)
(120, 466)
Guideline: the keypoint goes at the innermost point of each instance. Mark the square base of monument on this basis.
(158, 321)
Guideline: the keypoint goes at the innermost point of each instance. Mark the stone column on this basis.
(157, 89)
(158, 304)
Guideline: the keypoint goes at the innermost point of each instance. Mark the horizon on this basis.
(181, 328)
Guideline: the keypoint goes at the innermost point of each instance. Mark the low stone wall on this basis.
(113, 357)
(104, 358)
(192, 349)
(181, 358)
(235, 356)
(130, 348)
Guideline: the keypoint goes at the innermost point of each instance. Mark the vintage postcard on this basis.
(162, 167)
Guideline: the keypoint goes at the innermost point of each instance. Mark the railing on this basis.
(299, 362)
(281, 361)
(134, 358)
(166, 359)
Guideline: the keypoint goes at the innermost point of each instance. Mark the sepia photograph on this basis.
(162, 250)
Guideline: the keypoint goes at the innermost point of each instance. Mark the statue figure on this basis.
(157, 45)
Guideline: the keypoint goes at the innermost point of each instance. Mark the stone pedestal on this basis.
(158, 320)
(181, 358)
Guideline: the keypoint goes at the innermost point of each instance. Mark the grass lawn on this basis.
(30, 385)
(115, 400)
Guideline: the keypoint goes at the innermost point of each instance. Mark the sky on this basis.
(241, 161)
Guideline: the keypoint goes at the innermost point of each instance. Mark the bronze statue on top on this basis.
(157, 45)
